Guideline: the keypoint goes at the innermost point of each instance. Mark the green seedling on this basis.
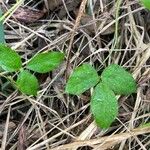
(26, 82)
(114, 80)
(104, 107)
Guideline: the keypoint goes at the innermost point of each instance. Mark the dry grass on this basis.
(111, 33)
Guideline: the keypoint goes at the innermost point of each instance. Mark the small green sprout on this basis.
(114, 80)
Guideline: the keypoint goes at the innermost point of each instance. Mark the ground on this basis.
(99, 32)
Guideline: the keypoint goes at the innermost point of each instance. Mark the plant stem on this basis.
(2, 37)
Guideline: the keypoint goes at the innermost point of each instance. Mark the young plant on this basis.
(26, 82)
(114, 80)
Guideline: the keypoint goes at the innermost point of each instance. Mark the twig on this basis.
(115, 138)
(77, 22)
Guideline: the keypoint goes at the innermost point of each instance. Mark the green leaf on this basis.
(45, 62)
(83, 78)
(27, 83)
(9, 59)
(146, 3)
(2, 38)
(104, 105)
(119, 80)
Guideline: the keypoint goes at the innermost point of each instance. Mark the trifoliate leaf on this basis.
(82, 79)
(104, 105)
(118, 79)
(45, 62)
(9, 59)
(27, 83)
